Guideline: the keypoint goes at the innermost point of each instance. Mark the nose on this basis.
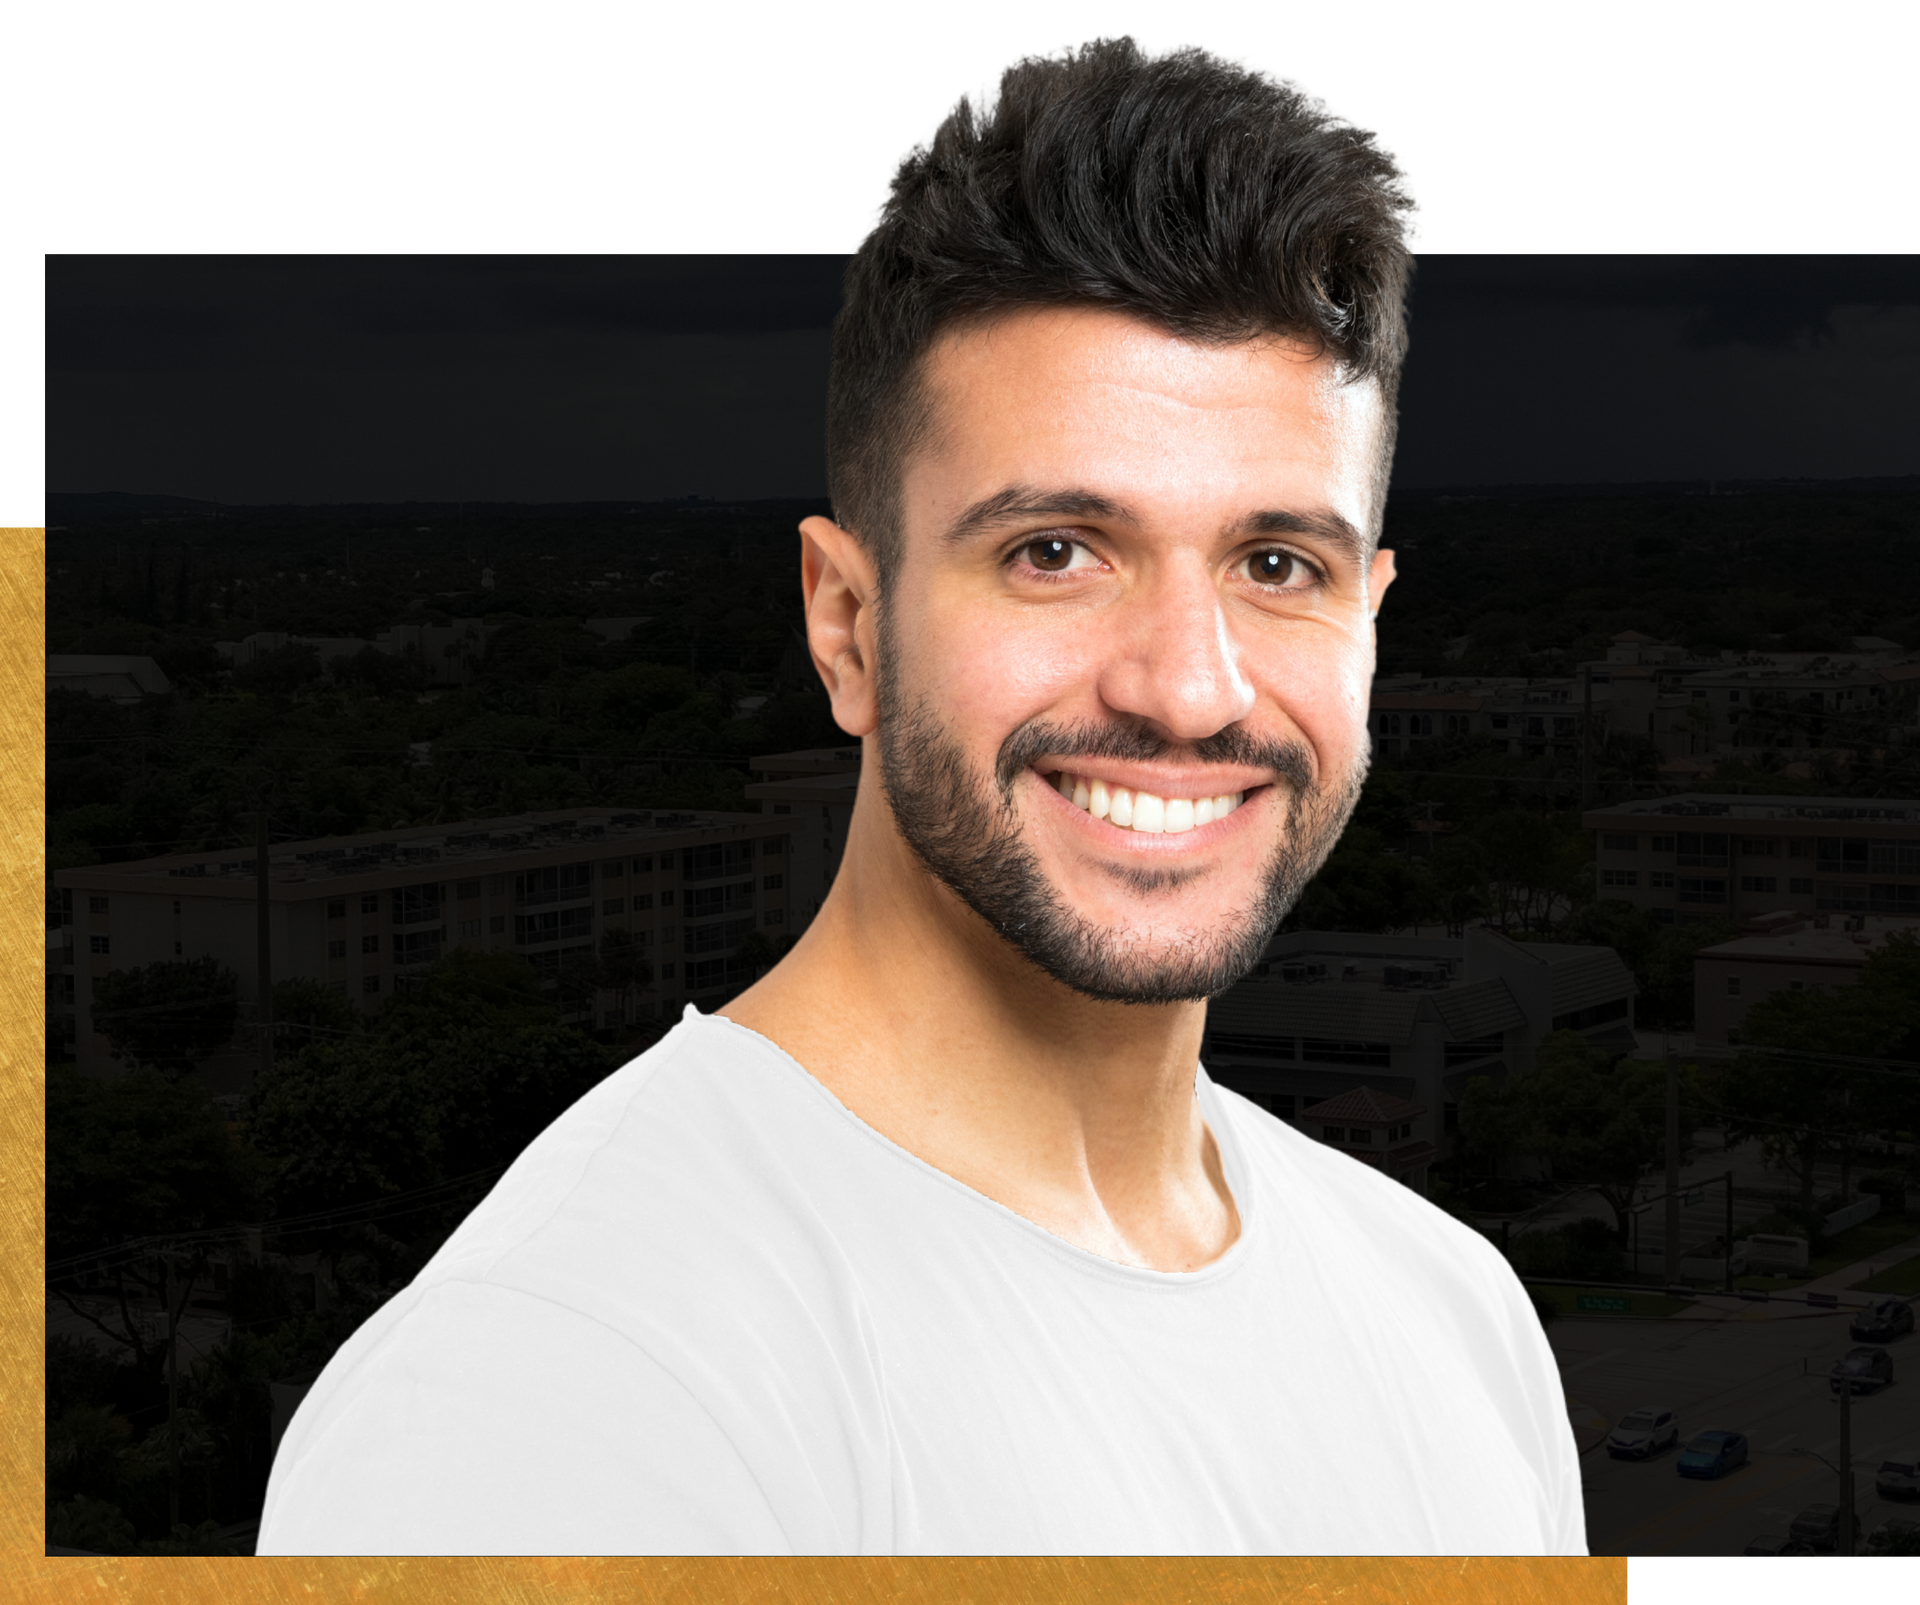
(1173, 659)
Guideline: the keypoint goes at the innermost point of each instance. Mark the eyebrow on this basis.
(1018, 503)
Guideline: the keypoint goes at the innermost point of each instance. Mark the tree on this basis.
(306, 1010)
(1591, 1122)
(170, 1015)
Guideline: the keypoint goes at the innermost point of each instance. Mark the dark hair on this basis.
(1204, 198)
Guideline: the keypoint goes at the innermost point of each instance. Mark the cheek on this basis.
(1322, 688)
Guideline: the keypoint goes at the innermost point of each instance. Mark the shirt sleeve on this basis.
(488, 1421)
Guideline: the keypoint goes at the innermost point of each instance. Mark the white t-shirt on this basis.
(709, 1310)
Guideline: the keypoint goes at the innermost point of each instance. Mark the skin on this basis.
(1078, 1114)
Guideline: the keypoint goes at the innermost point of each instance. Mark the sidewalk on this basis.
(1833, 1282)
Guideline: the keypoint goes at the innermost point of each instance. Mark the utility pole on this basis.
(173, 1391)
(1843, 1540)
(1727, 1260)
(1673, 1165)
(263, 970)
(1586, 736)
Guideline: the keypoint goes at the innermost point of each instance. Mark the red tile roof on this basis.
(1364, 1106)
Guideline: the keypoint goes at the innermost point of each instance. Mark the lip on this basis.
(1191, 783)
(1211, 834)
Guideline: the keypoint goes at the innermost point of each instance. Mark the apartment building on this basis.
(815, 788)
(363, 913)
(1408, 1020)
(1697, 857)
(1780, 953)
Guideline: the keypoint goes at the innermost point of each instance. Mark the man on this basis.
(938, 1239)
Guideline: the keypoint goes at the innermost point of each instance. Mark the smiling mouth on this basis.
(1129, 809)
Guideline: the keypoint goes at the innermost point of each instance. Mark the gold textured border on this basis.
(27, 1573)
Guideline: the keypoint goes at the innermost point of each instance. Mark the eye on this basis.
(1054, 554)
(1282, 570)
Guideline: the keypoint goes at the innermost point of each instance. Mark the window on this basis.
(717, 935)
(370, 944)
(706, 901)
(613, 905)
(1388, 724)
(559, 883)
(555, 925)
(772, 883)
(1564, 725)
(1733, 986)
(497, 924)
(1361, 1136)
(1702, 891)
(1663, 916)
(643, 866)
(643, 901)
(666, 972)
(497, 884)
(776, 916)
(1661, 844)
(369, 983)
(1334, 1133)
(783, 808)
(1759, 883)
(1619, 877)
(1841, 855)
(668, 933)
(470, 927)
(1660, 878)
(337, 949)
(1614, 842)
(1893, 899)
(1498, 721)
(466, 890)
(666, 899)
(336, 908)
(1377, 1054)
(1759, 847)
(613, 869)
(717, 860)
(178, 950)
(1705, 849)
(96, 905)
(1419, 724)
(1455, 1054)
(773, 846)
(416, 947)
(417, 905)
(176, 905)
(99, 944)
(370, 903)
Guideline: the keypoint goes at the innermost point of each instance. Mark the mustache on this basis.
(1138, 742)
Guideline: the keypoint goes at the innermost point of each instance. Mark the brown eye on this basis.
(1050, 554)
(1274, 568)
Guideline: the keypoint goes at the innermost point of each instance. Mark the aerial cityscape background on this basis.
(429, 722)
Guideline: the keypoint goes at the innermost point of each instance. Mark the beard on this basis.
(965, 828)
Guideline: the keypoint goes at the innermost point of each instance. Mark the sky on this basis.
(312, 380)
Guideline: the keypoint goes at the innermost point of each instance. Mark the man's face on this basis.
(1134, 562)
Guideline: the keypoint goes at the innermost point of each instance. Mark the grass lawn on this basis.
(1903, 1278)
(1566, 1301)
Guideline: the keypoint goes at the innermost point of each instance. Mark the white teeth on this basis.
(1141, 810)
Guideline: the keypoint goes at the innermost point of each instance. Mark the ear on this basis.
(1379, 579)
(839, 584)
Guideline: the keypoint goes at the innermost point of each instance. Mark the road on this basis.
(1747, 1376)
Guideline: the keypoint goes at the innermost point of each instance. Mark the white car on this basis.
(1644, 1432)
(1899, 1475)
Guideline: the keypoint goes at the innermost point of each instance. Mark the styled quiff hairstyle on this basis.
(1189, 192)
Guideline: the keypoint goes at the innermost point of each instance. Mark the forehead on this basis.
(1105, 400)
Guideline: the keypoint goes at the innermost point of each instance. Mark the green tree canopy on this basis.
(169, 1015)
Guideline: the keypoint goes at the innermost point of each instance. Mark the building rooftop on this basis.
(1809, 944)
(470, 841)
(1702, 805)
(1364, 1106)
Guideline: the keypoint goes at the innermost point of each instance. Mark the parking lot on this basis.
(1766, 1378)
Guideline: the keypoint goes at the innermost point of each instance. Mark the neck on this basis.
(1078, 1114)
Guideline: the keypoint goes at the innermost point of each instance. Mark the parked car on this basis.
(1888, 1533)
(1899, 1475)
(1778, 1544)
(1882, 1321)
(1643, 1432)
(1861, 1369)
(1819, 1526)
(1712, 1454)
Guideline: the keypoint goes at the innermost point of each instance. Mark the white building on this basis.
(361, 913)
(1784, 953)
(1411, 1018)
(119, 677)
(1699, 857)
